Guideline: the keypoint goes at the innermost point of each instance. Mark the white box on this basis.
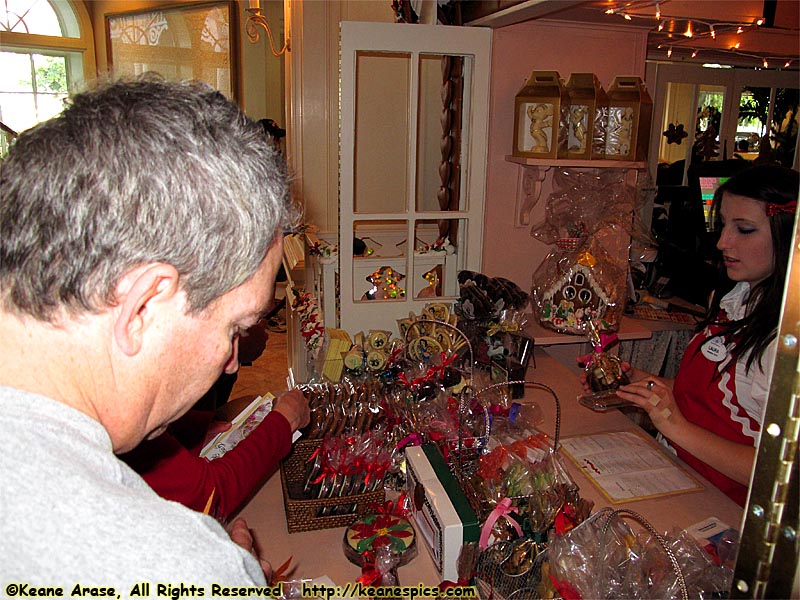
(442, 515)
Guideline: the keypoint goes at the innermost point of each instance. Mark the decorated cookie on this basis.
(374, 531)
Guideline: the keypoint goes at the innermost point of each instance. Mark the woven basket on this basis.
(303, 514)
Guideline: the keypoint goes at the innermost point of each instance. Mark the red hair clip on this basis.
(773, 209)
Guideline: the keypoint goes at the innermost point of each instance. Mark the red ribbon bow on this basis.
(773, 208)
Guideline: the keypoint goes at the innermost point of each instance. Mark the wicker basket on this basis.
(303, 514)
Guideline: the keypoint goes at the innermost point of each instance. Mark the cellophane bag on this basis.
(589, 218)
(604, 558)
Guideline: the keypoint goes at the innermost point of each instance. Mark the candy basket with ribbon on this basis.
(531, 496)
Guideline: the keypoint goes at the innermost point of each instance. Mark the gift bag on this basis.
(589, 219)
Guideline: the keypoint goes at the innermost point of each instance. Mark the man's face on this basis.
(205, 345)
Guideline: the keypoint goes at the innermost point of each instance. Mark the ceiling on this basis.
(715, 25)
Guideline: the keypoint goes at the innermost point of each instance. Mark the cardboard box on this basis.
(441, 513)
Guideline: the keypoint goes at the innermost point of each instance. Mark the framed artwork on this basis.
(184, 41)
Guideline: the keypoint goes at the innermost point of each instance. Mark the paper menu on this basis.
(241, 426)
(625, 466)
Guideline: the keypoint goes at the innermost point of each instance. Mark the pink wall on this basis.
(509, 250)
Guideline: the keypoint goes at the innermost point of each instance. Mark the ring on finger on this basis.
(650, 385)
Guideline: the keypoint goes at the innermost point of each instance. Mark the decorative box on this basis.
(588, 115)
(630, 110)
(540, 117)
(442, 515)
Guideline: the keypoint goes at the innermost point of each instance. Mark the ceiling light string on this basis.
(765, 61)
(711, 28)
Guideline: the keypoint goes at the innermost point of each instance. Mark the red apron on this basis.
(705, 392)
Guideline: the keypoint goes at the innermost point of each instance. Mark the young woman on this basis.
(711, 414)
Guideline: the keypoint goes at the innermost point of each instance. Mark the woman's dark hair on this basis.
(776, 186)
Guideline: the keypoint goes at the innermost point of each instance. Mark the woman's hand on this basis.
(654, 395)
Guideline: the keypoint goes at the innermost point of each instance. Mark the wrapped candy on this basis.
(603, 370)
(589, 218)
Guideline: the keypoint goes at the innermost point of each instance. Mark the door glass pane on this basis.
(785, 123)
(710, 102)
(677, 125)
(752, 123)
(439, 137)
(381, 132)
(437, 261)
(380, 264)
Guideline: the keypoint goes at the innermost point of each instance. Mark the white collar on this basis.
(734, 303)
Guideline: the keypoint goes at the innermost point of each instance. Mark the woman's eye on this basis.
(746, 231)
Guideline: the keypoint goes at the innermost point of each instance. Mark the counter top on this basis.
(319, 553)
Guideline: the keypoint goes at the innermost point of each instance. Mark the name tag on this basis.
(715, 350)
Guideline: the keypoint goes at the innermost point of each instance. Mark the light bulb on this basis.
(694, 53)
(766, 64)
(760, 22)
(658, 11)
(688, 33)
(739, 29)
(788, 64)
(669, 52)
(627, 17)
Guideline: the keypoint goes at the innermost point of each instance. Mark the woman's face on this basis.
(746, 239)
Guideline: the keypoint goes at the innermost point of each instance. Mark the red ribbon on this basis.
(395, 509)
(327, 471)
(369, 572)
(773, 208)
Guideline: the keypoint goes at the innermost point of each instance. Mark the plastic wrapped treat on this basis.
(589, 219)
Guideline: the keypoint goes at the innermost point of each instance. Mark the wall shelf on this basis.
(574, 162)
(531, 177)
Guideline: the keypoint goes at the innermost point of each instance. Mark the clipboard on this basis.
(628, 465)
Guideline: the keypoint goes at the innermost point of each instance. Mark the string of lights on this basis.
(682, 32)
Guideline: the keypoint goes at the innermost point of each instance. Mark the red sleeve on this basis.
(241, 471)
(177, 474)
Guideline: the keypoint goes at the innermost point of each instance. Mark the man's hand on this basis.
(240, 534)
(294, 406)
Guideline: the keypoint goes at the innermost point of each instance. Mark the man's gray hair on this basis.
(135, 172)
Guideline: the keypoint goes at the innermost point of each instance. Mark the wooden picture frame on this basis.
(189, 41)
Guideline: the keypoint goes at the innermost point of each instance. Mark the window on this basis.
(744, 106)
(47, 50)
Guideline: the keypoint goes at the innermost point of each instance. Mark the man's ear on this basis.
(138, 292)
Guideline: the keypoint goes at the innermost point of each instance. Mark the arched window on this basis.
(46, 50)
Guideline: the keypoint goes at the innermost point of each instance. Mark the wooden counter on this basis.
(319, 553)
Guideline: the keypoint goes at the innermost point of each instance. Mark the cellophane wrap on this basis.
(587, 562)
(589, 219)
